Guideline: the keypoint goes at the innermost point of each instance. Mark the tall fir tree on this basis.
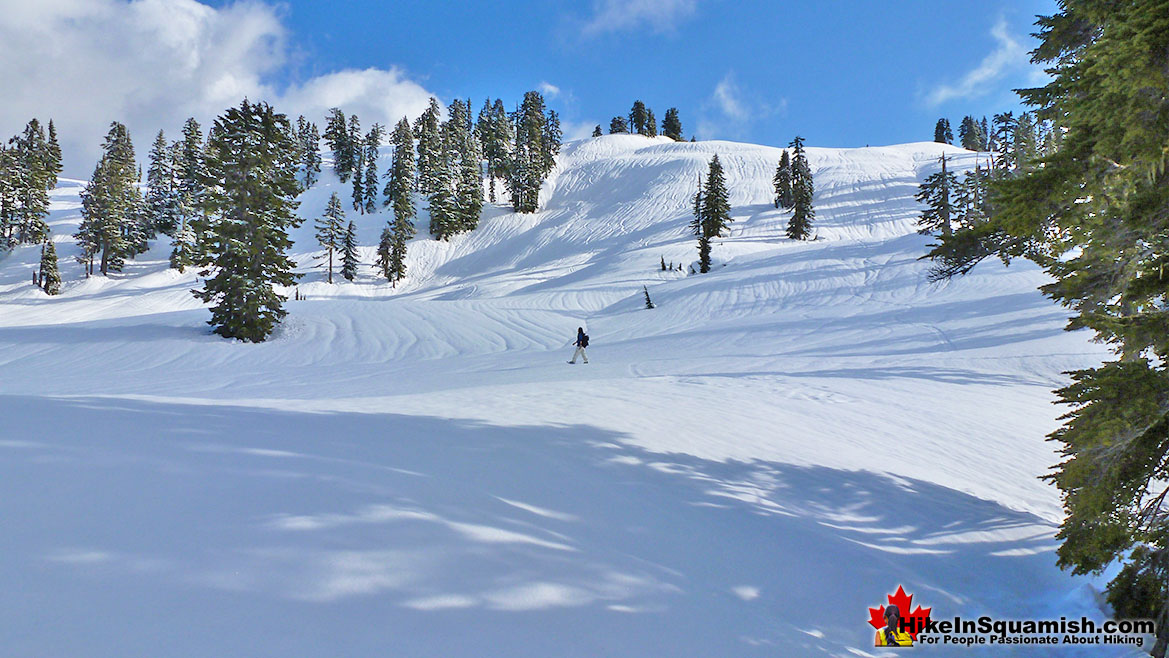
(33, 178)
(618, 126)
(712, 212)
(533, 154)
(495, 136)
(638, 118)
(672, 125)
(782, 181)
(309, 141)
(398, 193)
(331, 231)
(937, 194)
(191, 180)
(111, 206)
(48, 274)
(942, 132)
(163, 197)
(597, 131)
(251, 192)
(373, 141)
(651, 124)
(431, 150)
(1004, 127)
(337, 138)
(799, 227)
(349, 258)
(54, 158)
(970, 134)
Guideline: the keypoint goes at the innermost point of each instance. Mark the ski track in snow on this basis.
(414, 471)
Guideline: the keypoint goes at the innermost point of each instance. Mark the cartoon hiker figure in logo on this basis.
(891, 635)
(582, 341)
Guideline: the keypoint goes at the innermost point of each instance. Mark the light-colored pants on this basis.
(581, 353)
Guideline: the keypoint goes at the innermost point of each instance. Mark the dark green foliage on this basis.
(349, 258)
(369, 187)
(191, 177)
(309, 148)
(431, 150)
(638, 118)
(651, 124)
(799, 227)
(48, 275)
(942, 132)
(672, 125)
(618, 125)
(533, 154)
(111, 206)
(337, 137)
(712, 212)
(250, 193)
(783, 182)
(399, 183)
(970, 134)
(1092, 208)
(937, 192)
(597, 132)
(457, 198)
(663, 263)
(648, 303)
(28, 170)
(331, 230)
(163, 197)
(494, 130)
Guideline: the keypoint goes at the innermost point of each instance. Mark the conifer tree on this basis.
(970, 134)
(251, 191)
(618, 125)
(1004, 127)
(799, 227)
(309, 139)
(182, 253)
(533, 154)
(370, 187)
(495, 137)
(942, 132)
(385, 254)
(32, 178)
(191, 179)
(111, 206)
(431, 150)
(331, 230)
(783, 182)
(651, 124)
(398, 197)
(163, 198)
(349, 253)
(638, 118)
(463, 147)
(337, 138)
(672, 125)
(648, 303)
(9, 173)
(54, 158)
(597, 131)
(937, 192)
(48, 275)
(712, 212)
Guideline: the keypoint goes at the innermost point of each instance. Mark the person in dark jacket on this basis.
(582, 341)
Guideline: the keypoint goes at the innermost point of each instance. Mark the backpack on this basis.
(584, 340)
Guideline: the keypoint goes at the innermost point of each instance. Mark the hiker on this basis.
(892, 635)
(582, 341)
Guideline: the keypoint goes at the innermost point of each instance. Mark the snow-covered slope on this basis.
(742, 470)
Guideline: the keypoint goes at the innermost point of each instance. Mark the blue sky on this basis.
(840, 73)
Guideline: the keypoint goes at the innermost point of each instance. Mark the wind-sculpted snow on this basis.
(415, 470)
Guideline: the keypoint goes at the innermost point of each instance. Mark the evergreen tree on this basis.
(251, 191)
(986, 140)
(370, 188)
(494, 133)
(783, 182)
(182, 253)
(638, 118)
(970, 134)
(942, 132)
(651, 124)
(9, 175)
(337, 138)
(672, 125)
(309, 140)
(648, 303)
(618, 125)
(431, 150)
(54, 159)
(799, 227)
(597, 131)
(191, 178)
(533, 154)
(1005, 125)
(937, 192)
(349, 253)
(111, 206)
(331, 230)
(48, 275)
(712, 212)
(385, 253)
(1026, 141)
(163, 198)
(663, 263)
(399, 183)
(33, 177)
(463, 147)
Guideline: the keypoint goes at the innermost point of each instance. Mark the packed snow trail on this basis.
(742, 470)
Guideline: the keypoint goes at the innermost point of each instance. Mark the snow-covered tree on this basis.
(163, 196)
(399, 183)
(48, 274)
(331, 230)
(111, 206)
(431, 151)
(337, 138)
(782, 181)
(251, 193)
(349, 258)
(799, 227)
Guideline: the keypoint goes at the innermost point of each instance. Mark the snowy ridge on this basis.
(422, 456)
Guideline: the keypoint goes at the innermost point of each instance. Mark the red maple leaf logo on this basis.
(914, 621)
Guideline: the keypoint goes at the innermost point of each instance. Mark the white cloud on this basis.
(152, 63)
(1009, 54)
(619, 15)
(731, 110)
(548, 89)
